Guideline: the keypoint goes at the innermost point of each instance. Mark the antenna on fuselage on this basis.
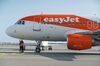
(41, 13)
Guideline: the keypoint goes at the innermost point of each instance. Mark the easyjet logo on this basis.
(60, 20)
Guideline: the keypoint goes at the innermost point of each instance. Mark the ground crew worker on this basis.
(21, 46)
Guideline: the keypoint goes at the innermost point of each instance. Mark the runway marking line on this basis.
(3, 55)
(7, 54)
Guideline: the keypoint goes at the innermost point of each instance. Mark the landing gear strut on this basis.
(38, 49)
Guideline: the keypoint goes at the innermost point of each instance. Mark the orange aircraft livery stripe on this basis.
(72, 21)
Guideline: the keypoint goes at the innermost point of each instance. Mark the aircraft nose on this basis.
(9, 31)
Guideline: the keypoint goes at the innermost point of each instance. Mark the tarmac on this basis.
(56, 57)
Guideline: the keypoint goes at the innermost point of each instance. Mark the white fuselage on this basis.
(40, 31)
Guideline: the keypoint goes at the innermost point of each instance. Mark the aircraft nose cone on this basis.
(9, 31)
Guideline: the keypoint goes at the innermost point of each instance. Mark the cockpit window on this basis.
(20, 22)
(23, 22)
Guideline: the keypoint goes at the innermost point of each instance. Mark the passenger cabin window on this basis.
(20, 22)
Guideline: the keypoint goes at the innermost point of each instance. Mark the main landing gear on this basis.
(38, 47)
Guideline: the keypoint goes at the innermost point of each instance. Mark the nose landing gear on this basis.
(38, 49)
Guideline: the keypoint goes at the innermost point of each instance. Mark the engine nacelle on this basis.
(79, 41)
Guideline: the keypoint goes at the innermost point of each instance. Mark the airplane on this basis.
(79, 32)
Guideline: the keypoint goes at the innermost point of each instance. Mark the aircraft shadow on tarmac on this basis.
(58, 56)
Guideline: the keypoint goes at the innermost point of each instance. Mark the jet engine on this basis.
(79, 41)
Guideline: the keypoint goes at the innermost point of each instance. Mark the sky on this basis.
(12, 10)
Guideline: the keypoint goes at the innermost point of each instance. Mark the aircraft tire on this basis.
(37, 50)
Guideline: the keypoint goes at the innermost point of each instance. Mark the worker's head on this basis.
(21, 41)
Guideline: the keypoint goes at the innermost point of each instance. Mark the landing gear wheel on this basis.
(50, 48)
(37, 50)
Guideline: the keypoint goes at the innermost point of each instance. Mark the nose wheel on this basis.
(38, 49)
